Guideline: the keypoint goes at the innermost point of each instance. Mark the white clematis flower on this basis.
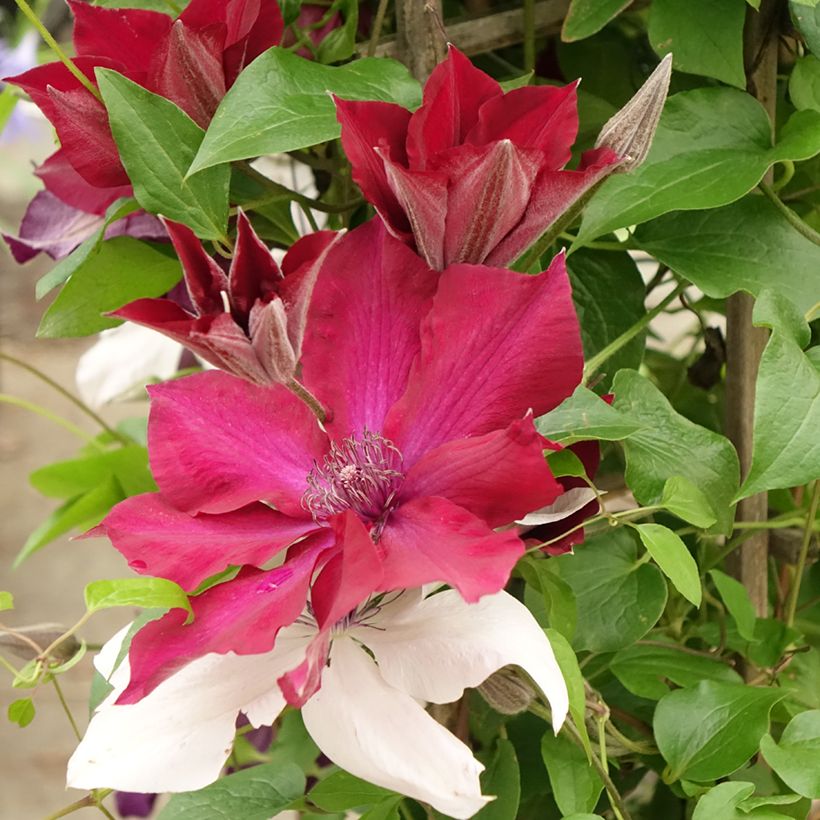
(385, 660)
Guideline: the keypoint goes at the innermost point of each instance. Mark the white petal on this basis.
(178, 737)
(382, 735)
(123, 359)
(564, 506)
(447, 645)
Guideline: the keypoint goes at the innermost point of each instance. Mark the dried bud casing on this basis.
(507, 692)
(630, 132)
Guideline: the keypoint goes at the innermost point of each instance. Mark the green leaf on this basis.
(257, 793)
(6, 600)
(774, 311)
(737, 602)
(683, 499)
(388, 809)
(66, 267)
(21, 712)
(142, 592)
(341, 791)
(642, 669)
(806, 14)
(595, 276)
(576, 785)
(586, 17)
(583, 816)
(502, 779)
(8, 100)
(339, 43)
(796, 757)
(787, 417)
(619, 600)
(565, 463)
(157, 143)
(557, 595)
(571, 672)
(122, 270)
(712, 146)
(711, 730)
(82, 512)
(583, 416)
(704, 37)
(725, 802)
(673, 557)
(804, 83)
(670, 445)
(281, 102)
(748, 245)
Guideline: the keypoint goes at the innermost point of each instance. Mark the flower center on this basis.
(360, 473)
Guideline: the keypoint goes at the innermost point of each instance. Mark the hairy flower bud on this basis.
(631, 130)
(507, 691)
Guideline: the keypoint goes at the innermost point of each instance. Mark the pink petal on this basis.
(157, 539)
(495, 345)
(266, 31)
(453, 96)
(423, 197)
(365, 127)
(128, 35)
(63, 181)
(490, 188)
(218, 443)
(554, 193)
(301, 683)
(540, 117)
(363, 327)
(499, 476)
(242, 616)
(433, 540)
(254, 273)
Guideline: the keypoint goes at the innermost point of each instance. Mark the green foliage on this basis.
(21, 712)
(576, 786)
(796, 757)
(586, 17)
(501, 778)
(142, 592)
(674, 559)
(6, 600)
(340, 791)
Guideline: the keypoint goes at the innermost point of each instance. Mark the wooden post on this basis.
(420, 38)
(744, 342)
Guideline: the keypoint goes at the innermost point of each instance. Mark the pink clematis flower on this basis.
(474, 175)
(430, 382)
(192, 61)
(250, 321)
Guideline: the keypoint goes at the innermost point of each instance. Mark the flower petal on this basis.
(498, 477)
(444, 645)
(432, 539)
(218, 443)
(254, 273)
(382, 735)
(242, 615)
(363, 327)
(179, 736)
(157, 539)
(495, 344)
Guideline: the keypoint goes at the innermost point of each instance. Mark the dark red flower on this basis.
(474, 175)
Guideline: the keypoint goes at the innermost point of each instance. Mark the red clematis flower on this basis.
(250, 321)
(430, 382)
(192, 61)
(474, 175)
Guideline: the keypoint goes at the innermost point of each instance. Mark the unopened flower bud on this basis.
(507, 692)
(22, 641)
(631, 130)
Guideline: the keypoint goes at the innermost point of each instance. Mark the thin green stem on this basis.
(786, 177)
(378, 23)
(82, 803)
(47, 414)
(808, 531)
(529, 35)
(66, 709)
(29, 12)
(67, 634)
(627, 336)
(794, 220)
(67, 394)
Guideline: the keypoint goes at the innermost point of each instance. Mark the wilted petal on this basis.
(363, 327)
(565, 505)
(269, 338)
(497, 476)
(432, 539)
(382, 735)
(218, 443)
(125, 358)
(495, 345)
(157, 539)
(437, 649)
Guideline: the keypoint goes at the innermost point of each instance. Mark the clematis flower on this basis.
(381, 663)
(474, 175)
(250, 321)
(429, 382)
(191, 61)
